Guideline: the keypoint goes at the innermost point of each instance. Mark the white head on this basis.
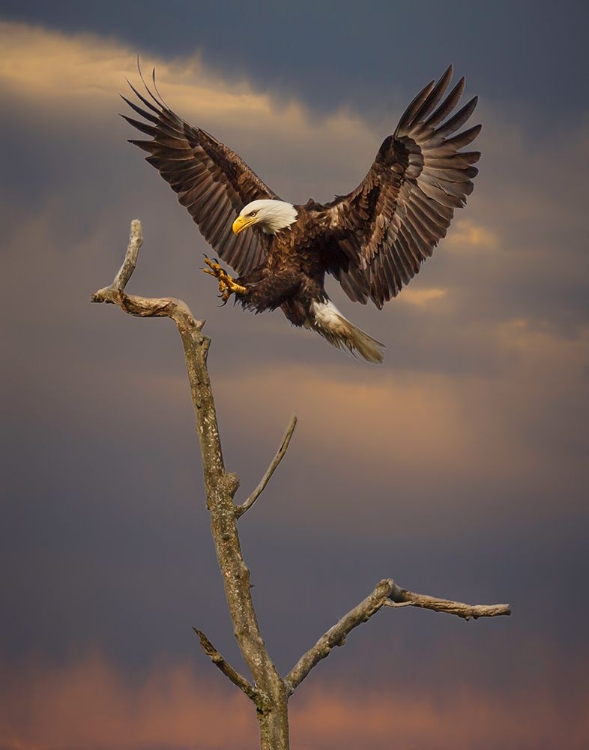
(270, 215)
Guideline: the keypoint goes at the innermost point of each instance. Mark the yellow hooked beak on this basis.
(241, 223)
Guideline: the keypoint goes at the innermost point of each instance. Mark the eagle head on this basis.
(269, 215)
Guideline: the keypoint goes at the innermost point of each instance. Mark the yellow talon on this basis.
(227, 285)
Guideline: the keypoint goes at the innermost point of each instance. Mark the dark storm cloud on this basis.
(331, 53)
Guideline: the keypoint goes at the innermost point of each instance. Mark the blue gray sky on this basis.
(459, 467)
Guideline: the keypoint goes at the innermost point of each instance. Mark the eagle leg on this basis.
(227, 285)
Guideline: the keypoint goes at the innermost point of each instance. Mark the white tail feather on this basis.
(331, 324)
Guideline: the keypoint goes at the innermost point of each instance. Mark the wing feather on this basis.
(435, 95)
(211, 181)
(393, 220)
(448, 104)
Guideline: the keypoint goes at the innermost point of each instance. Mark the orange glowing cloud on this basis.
(53, 71)
(467, 235)
(461, 719)
(422, 297)
(410, 418)
(92, 705)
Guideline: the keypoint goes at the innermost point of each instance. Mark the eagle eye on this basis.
(253, 213)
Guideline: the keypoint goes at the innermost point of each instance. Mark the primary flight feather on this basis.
(372, 240)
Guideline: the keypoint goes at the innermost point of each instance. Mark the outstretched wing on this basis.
(393, 220)
(212, 181)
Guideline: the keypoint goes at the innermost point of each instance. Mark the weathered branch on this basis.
(402, 598)
(269, 693)
(130, 262)
(241, 509)
(143, 307)
(226, 668)
(386, 594)
(336, 635)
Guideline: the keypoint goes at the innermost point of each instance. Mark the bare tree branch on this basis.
(336, 636)
(143, 307)
(226, 668)
(241, 509)
(386, 594)
(402, 598)
(133, 248)
(269, 692)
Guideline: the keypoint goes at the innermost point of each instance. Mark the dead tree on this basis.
(268, 690)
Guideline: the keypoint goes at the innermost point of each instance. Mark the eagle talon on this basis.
(227, 286)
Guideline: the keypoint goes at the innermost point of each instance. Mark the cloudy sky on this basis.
(459, 467)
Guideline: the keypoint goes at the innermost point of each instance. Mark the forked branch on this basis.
(386, 594)
(143, 307)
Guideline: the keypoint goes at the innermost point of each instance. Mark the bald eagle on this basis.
(373, 240)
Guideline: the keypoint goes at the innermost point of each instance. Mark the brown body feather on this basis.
(292, 275)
